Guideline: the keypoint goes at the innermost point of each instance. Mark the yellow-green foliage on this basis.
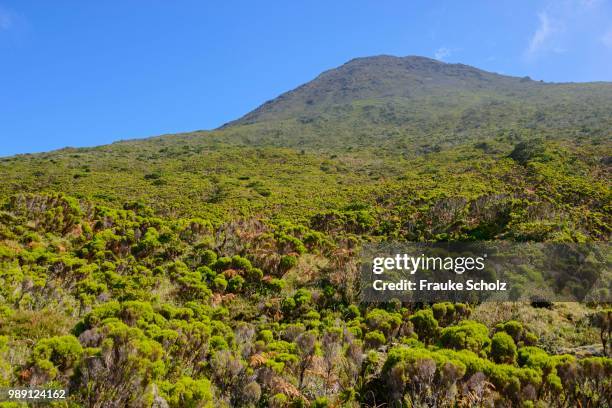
(5, 367)
(209, 270)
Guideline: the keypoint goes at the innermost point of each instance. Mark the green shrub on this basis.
(467, 335)
(266, 336)
(380, 319)
(239, 262)
(527, 150)
(188, 393)
(503, 349)
(254, 275)
(235, 284)
(302, 297)
(218, 343)
(219, 284)
(208, 257)
(425, 325)
(288, 305)
(321, 402)
(222, 264)
(56, 354)
(5, 367)
(352, 312)
(278, 401)
(374, 339)
(287, 262)
(276, 285)
(513, 328)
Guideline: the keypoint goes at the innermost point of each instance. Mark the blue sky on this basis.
(84, 73)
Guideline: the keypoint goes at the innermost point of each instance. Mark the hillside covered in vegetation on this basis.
(220, 268)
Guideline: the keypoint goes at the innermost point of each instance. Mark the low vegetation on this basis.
(221, 268)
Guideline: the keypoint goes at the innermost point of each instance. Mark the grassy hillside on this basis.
(219, 268)
(194, 176)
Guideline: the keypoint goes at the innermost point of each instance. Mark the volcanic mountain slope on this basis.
(393, 102)
(221, 268)
(380, 78)
(383, 131)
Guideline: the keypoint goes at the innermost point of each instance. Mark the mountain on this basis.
(380, 78)
(223, 268)
(390, 101)
(360, 132)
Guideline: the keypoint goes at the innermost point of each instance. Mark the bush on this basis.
(441, 310)
(288, 305)
(352, 312)
(374, 339)
(188, 393)
(503, 349)
(222, 264)
(379, 319)
(122, 379)
(206, 273)
(5, 367)
(418, 372)
(219, 284)
(218, 343)
(276, 285)
(208, 257)
(302, 297)
(448, 313)
(235, 284)
(254, 275)
(56, 354)
(278, 401)
(238, 262)
(320, 402)
(513, 328)
(251, 393)
(425, 325)
(468, 335)
(527, 150)
(287, 262)
(516, 330)
(266, 336)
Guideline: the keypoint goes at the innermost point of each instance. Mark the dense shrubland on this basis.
(129, 309)
(221, 268)
(560, 193)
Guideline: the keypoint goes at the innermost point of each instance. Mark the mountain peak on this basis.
(390, 59)
(379, 77)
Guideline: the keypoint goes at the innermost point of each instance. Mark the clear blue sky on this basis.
(83, 73)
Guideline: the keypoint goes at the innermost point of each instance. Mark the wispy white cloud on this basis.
(442, 53)
(606, 39)
(567, 25)
(541, 36)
